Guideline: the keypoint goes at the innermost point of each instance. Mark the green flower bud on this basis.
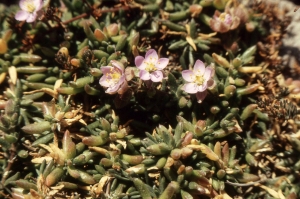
(99, 35)
(176, 154)
(221, 173)
(229, 91)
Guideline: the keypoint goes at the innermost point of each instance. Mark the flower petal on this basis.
(104, 81)
(106, 69)
(23, 4)
(139, 60)
(21, 15)
(162, 63)
(118, 65)
(199, 67)
(112, 89)
(202, 87)
(156, 76)
(188, 75)
(208, 73)
(151, 58)
(31, 18)
(144, 75)
(201, 96)
(123, 88)
(122, 80)
(190, 88)
(210, 83)
(39, 4)
(151, 54)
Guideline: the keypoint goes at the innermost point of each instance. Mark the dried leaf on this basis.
(102, 183)
(217, 149)
(12, 71)
(272, 192)
(41, 159)
(123, 143)
(206, 150)
(191, 42)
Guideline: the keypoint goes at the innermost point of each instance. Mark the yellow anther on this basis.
(30, 7)
(199, 79)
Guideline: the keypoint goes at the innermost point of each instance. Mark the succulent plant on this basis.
(101, 100)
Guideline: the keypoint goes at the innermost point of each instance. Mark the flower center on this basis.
(150, 65)
(199, 79)
(29, 5)
(225, 17)
(113, 77)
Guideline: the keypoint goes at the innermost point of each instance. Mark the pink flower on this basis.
(30, 10)
(223, 22)
(113, 78)
(150, 66)
(199, 79)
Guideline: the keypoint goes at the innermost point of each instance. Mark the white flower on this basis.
(151, 66)
(198, 80)
(30, 10)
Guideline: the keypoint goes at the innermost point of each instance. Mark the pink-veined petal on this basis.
(208, 73)
(162, 63)
(144, 75)
(39, 4)
(104, 81)
(139, 60)
(106, 69)
(188, 75)
(156, 76)
(151, 55)
(21, 15)
(201, 96)
(202, 87)
(112, 89)
(122, 80)
(210, 83)
(39, 14)
(123, 88)
(199, 68)
(118, 65)
(22, 4)
(190, 88)
(31, 18)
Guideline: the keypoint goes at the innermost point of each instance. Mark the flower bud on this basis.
(186, 152)
(229, 91)
(112, 29)
(99, 35)
(221, 173)
(195, 10)
(176, 154)
(3, 46)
